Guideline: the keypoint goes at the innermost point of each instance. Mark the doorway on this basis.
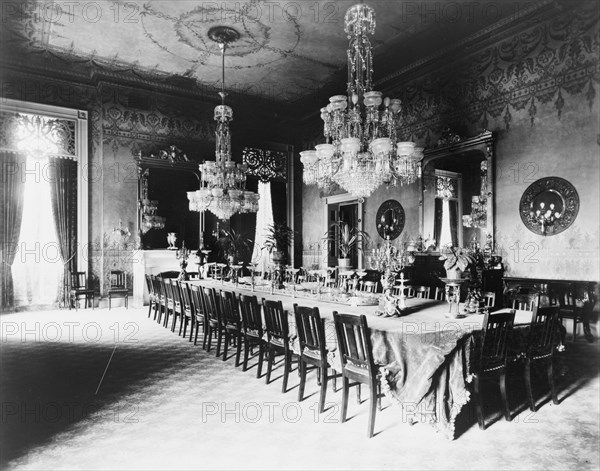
(348, 209)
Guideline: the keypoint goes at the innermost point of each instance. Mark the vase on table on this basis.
(172, 239)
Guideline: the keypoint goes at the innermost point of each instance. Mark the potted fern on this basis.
(278, 240)
(456, 261)
(345, 238)
(234, 246)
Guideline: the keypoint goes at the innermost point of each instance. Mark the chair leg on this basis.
(551, 381)
(287, 366)
(238, 352)
(372, 409)
(345, 392)
(528, 384)
(302, 370)
(504, 396)
(246, 353)
(334, 382)
(261, 356)
(207, 337)
(226, 345)
(479, 402)
(323, 389)
(219, 332)
(196, 336)
(358, 401)
(270, 355)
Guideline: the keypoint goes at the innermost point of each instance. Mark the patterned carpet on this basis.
(113, 390)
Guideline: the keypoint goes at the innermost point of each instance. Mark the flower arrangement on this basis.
(345, 238)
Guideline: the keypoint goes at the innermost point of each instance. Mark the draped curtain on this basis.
(264, 218)
(11, 210)
(453, 207)
(63, 193)
(437, 227)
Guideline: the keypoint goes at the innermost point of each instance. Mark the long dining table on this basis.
(424, 356)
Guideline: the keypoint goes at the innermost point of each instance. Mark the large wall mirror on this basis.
(163, 205)
(457, 191)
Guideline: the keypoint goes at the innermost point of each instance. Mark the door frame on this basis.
(345, 198)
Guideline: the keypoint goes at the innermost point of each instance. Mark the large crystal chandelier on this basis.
(362, 149)
(222, 184)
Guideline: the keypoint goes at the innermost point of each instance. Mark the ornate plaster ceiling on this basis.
(287, 50)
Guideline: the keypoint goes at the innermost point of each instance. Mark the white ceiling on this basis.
(287, 50)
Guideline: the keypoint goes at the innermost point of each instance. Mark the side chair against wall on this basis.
(368, 286)
(118, 287)
(524, 299)
(199, 319)
(358, 365)
(252, 329)
(313, 350)
(541, 343)
(80, 288)
(278, 341)
(231, 323)
(492, 360)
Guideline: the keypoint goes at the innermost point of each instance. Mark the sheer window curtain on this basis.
(264, 218)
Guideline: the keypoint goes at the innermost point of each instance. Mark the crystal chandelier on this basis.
(478, 216)
(362, 149)
(222, 184)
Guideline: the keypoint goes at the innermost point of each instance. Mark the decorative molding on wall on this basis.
(546, 64)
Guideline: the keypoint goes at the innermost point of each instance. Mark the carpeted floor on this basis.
(113, 390)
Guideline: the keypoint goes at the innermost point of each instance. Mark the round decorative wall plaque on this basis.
(549, 206)
(390, 219)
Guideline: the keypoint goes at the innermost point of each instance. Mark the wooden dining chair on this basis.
(278, 341)
(343, 280)
(564, 296)
(161, 298)
(199, 311)
(252, 328)
(177, 304)
(422, 292)
(80, 289)
(541, 343)
(491, 363)
(118, 287)
(152, 306)
(358, 365)
(213, 324)
(524, 300)
(231, 324)
(187, 309)
(440, 293)
(169, 302)
(489, 298)
(368, 286)
(313, 350)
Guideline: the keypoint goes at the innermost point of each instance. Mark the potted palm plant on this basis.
(345, 238)
(456, 260)
(234, 246)
(278, 240)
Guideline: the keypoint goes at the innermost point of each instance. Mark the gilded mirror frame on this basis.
(452, 145)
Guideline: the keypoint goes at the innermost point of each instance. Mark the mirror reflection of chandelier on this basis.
(222, 185)
(149, 208)
(478, 216)
(362, 149)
